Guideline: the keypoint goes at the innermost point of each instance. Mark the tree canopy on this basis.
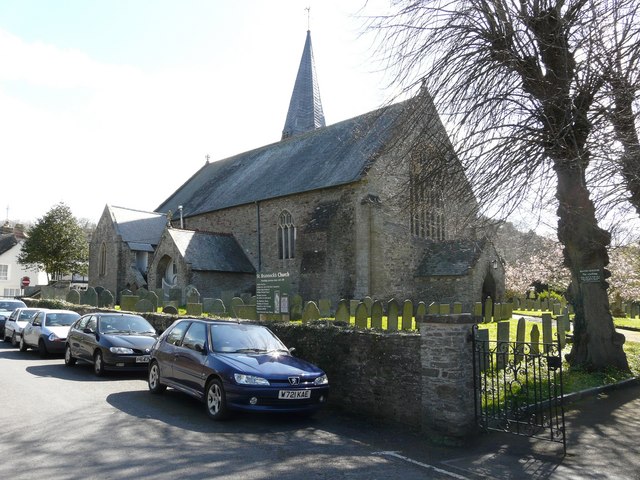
(539, 98)
(56, 244)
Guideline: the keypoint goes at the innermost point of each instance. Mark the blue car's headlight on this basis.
(120, 350)
(321, 380)
(249, 379)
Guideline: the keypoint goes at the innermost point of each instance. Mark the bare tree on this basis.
(521, 85)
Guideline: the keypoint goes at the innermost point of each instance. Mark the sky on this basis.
(120, 101)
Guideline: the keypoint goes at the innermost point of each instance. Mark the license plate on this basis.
(294, 394)
(143, 359)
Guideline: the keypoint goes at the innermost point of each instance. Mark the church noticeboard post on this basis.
(272, 293)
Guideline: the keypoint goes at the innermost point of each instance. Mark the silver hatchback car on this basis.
(47, 331)
(18, 319)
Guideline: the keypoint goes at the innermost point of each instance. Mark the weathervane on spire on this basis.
(308, 9)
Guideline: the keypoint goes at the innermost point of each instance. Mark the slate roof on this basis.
(206, 251)
(305, 108)
(7, 242)
(141, 230)
(325, 157)
(450, 258)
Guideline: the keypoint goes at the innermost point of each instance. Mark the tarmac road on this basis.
(64, 423)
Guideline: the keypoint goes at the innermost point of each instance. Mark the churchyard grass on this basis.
(577, 379)
(630, 323)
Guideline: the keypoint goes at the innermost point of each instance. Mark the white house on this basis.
(12, 273)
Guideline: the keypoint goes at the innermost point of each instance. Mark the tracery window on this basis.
(286, 236)
(427, 205)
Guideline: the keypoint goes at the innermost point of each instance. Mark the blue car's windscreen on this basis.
(238, 338)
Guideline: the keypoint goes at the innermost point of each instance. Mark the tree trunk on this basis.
(596, 344)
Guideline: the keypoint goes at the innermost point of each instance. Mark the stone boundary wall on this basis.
(377, 374)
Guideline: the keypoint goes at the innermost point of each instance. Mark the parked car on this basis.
(16, 322)
(47, 331)
(234, 366)
(110, 341)
(6, 307)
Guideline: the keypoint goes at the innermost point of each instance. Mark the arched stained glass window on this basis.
(286, 236)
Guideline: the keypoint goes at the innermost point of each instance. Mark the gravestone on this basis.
(192, 295)
(296, 306)
(477, 312)
(236, 302)
(143, 305)
(547, 332)
(128, 303)
(106, 299)
(175, 295)
(497, 312)
(377, 312)
(153, 298)
(362, 315)
(310, 312)
(170, 309)
(393, 310)
(520, 346)
(488, 310)
(342, 312)
(407, 315)
(142, 292)
(126, 291)
(535, 340)
(421, 312)
(73, 296)
(161, 295)
(207, 303)
(194, 309)
(502, 348)
(247, 312)
(482, 348)
(89, 297)
(217, 307)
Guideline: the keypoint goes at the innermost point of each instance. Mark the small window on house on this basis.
(103, 259)
(4, 272)
(286, 236)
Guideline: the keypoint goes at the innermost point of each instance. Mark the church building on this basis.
(377, 205)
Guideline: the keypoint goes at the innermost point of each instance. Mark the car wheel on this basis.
(98, 364)
(69, 360)
(23, 346)
(42, 349)
(4, 337)
(216, 401)
(154, 379)
(14, 340)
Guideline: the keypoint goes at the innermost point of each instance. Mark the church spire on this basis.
(305, 107)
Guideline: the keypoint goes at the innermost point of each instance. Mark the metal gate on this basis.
(519, 388)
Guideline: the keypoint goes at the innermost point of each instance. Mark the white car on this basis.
(16, 322)
(47, 331)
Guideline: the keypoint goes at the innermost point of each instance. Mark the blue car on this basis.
(234, 366)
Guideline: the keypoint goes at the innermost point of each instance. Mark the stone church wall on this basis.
(105, 233)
